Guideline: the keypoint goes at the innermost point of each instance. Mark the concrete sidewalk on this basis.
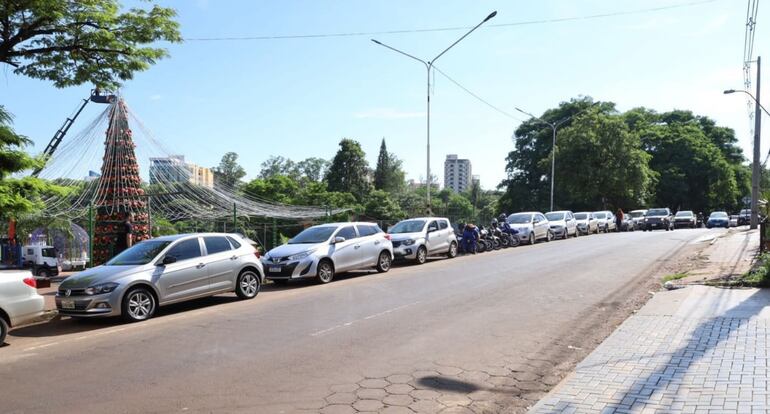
(694, 350)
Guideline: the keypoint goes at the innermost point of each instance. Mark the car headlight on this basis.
(300, 255)
(99, 289)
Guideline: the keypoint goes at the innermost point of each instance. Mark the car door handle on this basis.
(377, 242)
(357, 246)
(200, 266)
(234, 258)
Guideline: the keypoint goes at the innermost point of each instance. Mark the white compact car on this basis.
(587, 223)
(532, 226)
(563, 223)
(19, 300)
(417, 238)
(326, 249)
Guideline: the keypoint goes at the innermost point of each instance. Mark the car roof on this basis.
(174, 237)
(559, 211)
(343, 223)
(527, 212)
(641, 210)
(426, 218)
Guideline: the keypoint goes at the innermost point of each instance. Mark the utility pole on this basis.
(756, 171)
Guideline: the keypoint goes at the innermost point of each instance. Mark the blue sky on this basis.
(298, 97)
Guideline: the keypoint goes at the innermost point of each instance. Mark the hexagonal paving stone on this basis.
(374, 383)
(427, 406)
(399, 389)
(482, 395)
(525, 376)
(502, 381)
(449, 370)
(425, 394)
(456, 410)
(344, 387)
(453, 399)
(530, 386)
(476, 376)
(497, 371)
(371, 393)
(396, 410)
(399, 379)
(400, 400)
(338, 409)
(341, 398)
(424, 373)
(368, 405)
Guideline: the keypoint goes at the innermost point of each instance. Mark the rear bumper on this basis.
(27, 309)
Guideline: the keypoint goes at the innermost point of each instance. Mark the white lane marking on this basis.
(372, 316)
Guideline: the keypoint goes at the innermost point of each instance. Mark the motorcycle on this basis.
(508, 239)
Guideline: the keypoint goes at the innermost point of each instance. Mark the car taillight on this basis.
(387, 236)
(256, 253)
(30, 282)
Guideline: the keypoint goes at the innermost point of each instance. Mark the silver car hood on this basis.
(407, 236)
(562, 223)
(101, 274)
(523, 226)
(290, 249)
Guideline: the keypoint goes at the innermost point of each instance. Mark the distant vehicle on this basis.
(161, 271)
(606, 221)
(417, 238)
(658, 218)
(563, 223)
(42, 259)
(744, 217)
(628, 223)
(718, 219)
(19, 300)
(327, 249)
(586, 223)
(685, 218)
(638, 216)
(74, 264)
(532, 226)
(734, 220)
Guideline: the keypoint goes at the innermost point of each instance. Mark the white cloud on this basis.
(156, 97)
(387, 113)
(711, 26)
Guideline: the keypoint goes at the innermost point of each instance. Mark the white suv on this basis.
(323, 250)
(19, 300)
(417, 238)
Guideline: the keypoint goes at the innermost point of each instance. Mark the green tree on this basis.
(313, 168)
(379, 205)
(279, 188)
(278, 165)
(19, 196)
(388, 175)
(349, 171)
(229, 172)
(74, 42)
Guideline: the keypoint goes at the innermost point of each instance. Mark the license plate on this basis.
(68, 304)
(275, 269)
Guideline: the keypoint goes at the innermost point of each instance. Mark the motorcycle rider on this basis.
(470, 236)
(505, 227)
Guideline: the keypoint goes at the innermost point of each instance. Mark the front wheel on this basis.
(325, 271)
(138, 305)
(247, 285)
(383, 262)
(452, 253)
(422, 255)
(548, 236)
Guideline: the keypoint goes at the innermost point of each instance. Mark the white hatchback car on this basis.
(19, 300)
(532, 226)
(323, 250)
(417, 238)
(587, 223)
(563, 223)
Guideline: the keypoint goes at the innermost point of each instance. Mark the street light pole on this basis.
(428, 66)
(554, 126)
(755, 170)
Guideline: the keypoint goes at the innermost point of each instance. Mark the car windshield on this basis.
(599, 215)
(745, 211)
(407, 226)
(718, 214)
(139, 254)
(554, 216)
(581, 216)
(520, 218)
(657, 212)
(49, 252)
(636, 214)
(684, 214)
(313, 235)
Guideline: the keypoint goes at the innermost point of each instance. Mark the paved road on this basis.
(480, 333)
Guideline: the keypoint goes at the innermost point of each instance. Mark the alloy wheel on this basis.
(140, 305)
(325, 272)
(249, 284)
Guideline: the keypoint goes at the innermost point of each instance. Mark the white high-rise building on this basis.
(457, 173)
(174, 169)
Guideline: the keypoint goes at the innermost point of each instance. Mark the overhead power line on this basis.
(480, 99)
(448, 29)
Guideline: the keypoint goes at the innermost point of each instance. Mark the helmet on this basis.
(494, 222)
(502, 217)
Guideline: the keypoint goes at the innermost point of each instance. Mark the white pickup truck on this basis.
(19, 300)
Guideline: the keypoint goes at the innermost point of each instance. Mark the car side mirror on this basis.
(338, 239)
(432, 229)
(168, 260)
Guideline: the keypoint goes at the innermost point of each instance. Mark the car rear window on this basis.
(443, 224)
(367, 230)
(216, 244)
(235, 243)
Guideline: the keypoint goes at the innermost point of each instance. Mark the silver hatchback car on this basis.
(162, 271)
(415, 239)
(323, 250)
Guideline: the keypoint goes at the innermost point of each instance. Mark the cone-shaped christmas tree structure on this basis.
(119, 192)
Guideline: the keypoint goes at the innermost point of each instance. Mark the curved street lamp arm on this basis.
(536, 118)
(729, 91)
(403, 53)
(491, 15)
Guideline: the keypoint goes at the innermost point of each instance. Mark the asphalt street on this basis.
(484, 333)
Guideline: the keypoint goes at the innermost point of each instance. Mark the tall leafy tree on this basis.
(76, 42)
(388, 174)
(380, 205)
(229, 172)
(349, 172)
(278, 165)
(313, 168)
(19, 196)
